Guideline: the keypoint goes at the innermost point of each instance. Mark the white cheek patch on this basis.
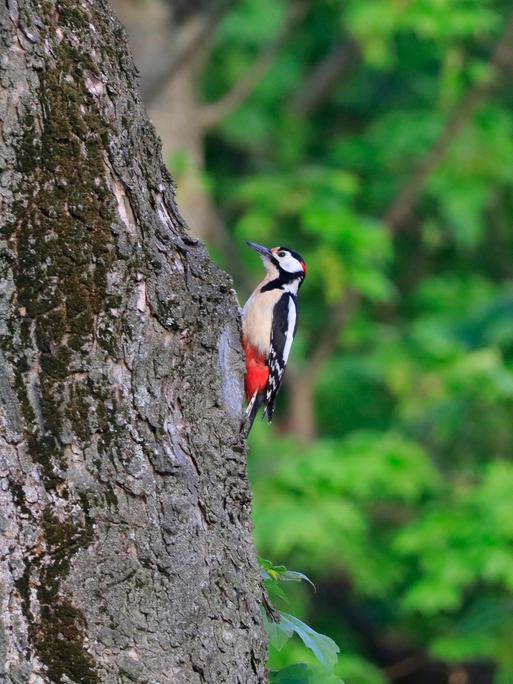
(290, 264)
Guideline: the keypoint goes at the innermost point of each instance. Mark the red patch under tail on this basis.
(257, 371)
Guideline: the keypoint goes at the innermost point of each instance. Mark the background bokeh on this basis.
(375, 137)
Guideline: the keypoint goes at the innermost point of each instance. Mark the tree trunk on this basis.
(125, 548)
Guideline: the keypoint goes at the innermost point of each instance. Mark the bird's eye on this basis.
(281, 254)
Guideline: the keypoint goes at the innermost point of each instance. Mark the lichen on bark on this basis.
(127, 552)
(60, 633)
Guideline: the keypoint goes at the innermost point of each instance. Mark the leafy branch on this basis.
(282, 629)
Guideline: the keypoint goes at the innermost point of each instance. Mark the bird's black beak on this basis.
(263, 251)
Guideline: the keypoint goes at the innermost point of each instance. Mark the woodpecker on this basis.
(269, 322)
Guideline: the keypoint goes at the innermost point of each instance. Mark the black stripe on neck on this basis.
(284, 278)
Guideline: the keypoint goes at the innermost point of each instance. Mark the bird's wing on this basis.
(282, 335)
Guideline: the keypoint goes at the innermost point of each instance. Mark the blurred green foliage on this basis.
(402, 504)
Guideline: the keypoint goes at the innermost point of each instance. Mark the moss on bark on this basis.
(60, 631)
(61, 233)
(63, 239)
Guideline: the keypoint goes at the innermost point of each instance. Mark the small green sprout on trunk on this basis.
(282, 629)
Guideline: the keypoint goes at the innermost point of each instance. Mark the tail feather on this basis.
(269, 409)
(252, 410)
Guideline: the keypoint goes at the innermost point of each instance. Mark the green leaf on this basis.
(303, 674)
(276, 573)
(325, 649)
(294, 576)
(275, 591)
(278, 632)
(295, 674)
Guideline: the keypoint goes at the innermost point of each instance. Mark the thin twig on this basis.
(324, 76)
(336, 322)
(406, 666)
(212, 114)
(198, 41)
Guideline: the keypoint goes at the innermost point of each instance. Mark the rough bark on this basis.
(125, 534)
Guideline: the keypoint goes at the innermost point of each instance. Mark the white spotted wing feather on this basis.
(282, 336)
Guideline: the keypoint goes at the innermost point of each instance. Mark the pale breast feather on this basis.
(257, 317)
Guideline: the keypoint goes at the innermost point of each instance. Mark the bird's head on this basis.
(281, 263)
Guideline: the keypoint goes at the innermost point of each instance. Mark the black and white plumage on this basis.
(282, 334)
(269, 322)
